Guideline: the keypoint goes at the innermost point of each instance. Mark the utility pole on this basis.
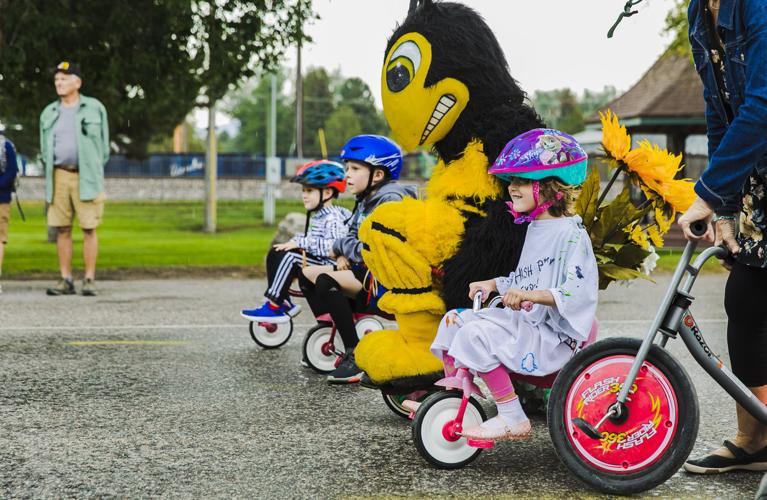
(273, 163)
(299, 105)
(211, 171)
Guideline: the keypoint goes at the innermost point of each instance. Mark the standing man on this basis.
(74, 145)
(8, 171)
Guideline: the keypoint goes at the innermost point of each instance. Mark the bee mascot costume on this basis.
(446, 84)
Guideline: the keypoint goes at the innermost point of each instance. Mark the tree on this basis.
(147, 61)
(559, 109)
(164, 143)
(340, 126)
(570, 118)
(355, 93)
(318, 106)
(594, 100)
(677, 26)
(251, 109)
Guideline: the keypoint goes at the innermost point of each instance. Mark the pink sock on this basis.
(499, 382)
(449, 364)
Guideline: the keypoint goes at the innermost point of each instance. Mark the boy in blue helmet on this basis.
(373, 165)
(322, 181)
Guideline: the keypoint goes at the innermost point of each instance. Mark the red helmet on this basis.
(322, 174)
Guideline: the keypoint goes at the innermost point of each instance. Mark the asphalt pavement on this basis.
(154, 388)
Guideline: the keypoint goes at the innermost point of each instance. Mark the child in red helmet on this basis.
(322, 181)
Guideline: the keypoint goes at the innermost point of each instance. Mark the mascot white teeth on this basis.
(446, 84)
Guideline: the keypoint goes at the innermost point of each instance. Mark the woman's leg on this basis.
(745, 299)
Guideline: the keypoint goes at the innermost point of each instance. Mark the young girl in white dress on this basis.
(556, 279)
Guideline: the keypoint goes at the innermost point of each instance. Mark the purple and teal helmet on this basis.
(541, 153)
(375, 150)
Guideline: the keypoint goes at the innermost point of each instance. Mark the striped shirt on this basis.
(326, 225)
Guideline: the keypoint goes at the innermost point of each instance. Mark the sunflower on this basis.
(615, 139)
(652, 164)
(655, 236)
(638, 236)
(679, 193)
(664, 223)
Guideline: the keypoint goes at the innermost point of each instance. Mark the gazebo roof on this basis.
(667, 99)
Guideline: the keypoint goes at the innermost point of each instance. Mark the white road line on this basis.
(606, 322)
(135, 327)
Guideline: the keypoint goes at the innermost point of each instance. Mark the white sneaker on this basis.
(294, 309)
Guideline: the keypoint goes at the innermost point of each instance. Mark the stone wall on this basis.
(165, 188)
(148, 188)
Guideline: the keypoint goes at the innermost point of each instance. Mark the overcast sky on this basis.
(548, 43)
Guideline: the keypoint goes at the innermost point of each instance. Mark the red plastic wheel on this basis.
(634, 441)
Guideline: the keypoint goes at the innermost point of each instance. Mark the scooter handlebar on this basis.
(699, 228)
(478, 301)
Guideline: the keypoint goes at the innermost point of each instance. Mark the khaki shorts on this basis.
(67, 203)
(5, 216)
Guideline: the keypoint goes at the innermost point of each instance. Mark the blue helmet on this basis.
(322, 174)
(375, 150)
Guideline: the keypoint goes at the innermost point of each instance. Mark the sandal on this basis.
(518, 432)
(716, 464)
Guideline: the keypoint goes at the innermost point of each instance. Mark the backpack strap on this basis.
(3, 157)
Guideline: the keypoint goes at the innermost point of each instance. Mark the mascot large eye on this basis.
(402, 66)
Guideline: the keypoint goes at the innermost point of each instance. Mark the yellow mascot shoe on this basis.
(388, 355)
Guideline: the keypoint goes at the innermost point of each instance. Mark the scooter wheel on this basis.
(430, 430)
(318, 351)
(651, 438)
(269, 335)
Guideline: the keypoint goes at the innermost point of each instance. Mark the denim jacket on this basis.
(738, 148)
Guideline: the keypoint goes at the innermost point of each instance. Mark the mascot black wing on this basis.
(445, 83)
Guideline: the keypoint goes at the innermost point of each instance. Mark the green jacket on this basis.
(92, 146)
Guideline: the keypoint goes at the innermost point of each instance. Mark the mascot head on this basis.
(445, 82)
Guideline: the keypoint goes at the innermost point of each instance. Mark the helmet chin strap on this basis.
(309, 212)
(519, 218)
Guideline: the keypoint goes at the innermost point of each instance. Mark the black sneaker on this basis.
(347, 372)
(65, 286)
(715, 464)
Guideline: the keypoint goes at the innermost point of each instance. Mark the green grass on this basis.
(166, 238)
(150, 235)
(669, 258)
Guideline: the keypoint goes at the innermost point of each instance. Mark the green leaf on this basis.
(631, 255)
(586, 205)
(613, 218)
(611, 272)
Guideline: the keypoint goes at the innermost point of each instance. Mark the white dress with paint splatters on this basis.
(556, 256)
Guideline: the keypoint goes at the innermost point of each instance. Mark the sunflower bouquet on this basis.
(624, 234)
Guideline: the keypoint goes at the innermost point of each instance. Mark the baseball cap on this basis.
(69, 68)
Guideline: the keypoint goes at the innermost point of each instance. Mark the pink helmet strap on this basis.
(538, 210)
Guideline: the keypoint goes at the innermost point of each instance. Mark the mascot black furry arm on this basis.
(445, 83)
